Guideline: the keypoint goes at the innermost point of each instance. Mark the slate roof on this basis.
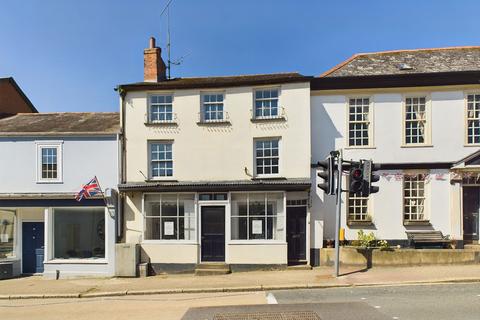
(64, 123)
(420, 61)
(218, 82)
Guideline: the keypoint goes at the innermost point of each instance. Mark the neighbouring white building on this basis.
(216, 169)
(417, 113)
(44, 160)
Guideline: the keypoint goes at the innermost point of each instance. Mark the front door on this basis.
(471, 205)
(213, 233)
(32, 247)
(297, 234)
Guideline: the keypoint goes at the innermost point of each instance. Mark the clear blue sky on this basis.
(69, 55)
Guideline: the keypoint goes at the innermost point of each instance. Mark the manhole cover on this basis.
(287, 315)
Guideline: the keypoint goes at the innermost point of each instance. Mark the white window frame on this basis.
(466, 117)
(370, 122)
(368, 214)
(16, 228)
(279, 108)
(426, 215)
(269, 175)
(282, 216)
(149, 165)
(203, 109)
(172, 241)
(50, 239)
(40, 145)
(149, 107)
(428, 123)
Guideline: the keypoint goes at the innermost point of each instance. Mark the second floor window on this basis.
(473, 118)
(161, 159)
(160, 108)
(415, 120)
(212, 107)
(266, 103)
(414, 197)
(49, 166)
(358, 122)
(267, 157)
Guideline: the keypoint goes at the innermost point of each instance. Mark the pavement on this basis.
(37, 287)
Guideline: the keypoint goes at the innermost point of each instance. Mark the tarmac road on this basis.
(460, 301)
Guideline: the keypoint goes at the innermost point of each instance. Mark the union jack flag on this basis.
(89, 190)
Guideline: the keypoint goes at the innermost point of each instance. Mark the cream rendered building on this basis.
(216, 169)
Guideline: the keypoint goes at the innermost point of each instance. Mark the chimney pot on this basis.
(152, 42)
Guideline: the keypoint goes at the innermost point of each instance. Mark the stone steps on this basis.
(212, 269)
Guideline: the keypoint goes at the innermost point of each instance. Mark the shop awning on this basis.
(299, 184)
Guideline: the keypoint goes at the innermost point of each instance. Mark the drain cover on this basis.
(288, 315)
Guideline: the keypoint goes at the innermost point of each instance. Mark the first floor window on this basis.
(257, 216)
(358, 208)
(415, 120)
(414, 197)
(266, 103)
(473, 118)
(169, 217)
(7, 233)
(79, 233)
(49, 162)
(161, 108)
(212, 107)
(267, 157)
(161, 159)
(358, 122)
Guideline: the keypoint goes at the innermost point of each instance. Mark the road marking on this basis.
(377, 307)
(363, 298)
(396, 318)
(271, 299)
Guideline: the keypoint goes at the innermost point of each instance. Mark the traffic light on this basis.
(356, 178)
(369, 175)
(328, 175)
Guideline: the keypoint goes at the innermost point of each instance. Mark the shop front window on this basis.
(7, 234)
(79, 233)
(257, 216)
(169, 217)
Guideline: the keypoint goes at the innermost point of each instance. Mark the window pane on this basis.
(7, 227)
(239, 228)
(79, 233)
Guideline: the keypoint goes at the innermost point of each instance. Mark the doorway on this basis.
(471, 205)
(213, 233)
(297, 235)
(32, 247)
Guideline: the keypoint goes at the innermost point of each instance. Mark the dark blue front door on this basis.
(32, 247)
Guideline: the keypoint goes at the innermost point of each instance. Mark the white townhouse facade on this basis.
(216, 169)
(44, 160)
(417, 113)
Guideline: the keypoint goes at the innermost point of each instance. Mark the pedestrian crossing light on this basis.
(327, 173)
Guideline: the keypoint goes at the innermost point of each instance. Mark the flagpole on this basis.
(101, 190)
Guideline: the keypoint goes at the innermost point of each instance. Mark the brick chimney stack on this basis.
(154, 69)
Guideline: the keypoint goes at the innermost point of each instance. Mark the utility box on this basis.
(126, 259)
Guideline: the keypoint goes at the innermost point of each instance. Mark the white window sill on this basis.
(77, 261)
(472, 145)
(253, 242)
(49, 182)
(359, 147)
(268, 176)
(170, 242)
(413, 145)
(165, 179)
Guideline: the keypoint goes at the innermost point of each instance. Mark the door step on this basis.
(472, 246)
(212, 269)
(300, 267)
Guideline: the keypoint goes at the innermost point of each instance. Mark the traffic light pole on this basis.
(338, 213)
